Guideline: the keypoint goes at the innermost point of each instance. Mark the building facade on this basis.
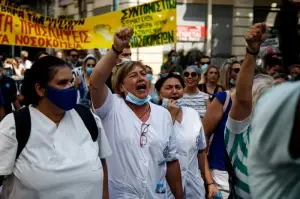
(230, 21)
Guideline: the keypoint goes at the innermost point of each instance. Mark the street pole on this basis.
(138, 49)
(209, 28)
(115, 5)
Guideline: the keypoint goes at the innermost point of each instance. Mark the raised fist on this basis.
(122, 38)
(255, 36)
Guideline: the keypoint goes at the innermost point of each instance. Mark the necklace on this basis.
(145, 112)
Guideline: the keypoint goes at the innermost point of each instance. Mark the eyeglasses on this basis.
(236, 70)
(144, 131)
(74, 56)
(203, 63)
(91, 65)
(187, 74)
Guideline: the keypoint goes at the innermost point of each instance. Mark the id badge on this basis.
(160, 188)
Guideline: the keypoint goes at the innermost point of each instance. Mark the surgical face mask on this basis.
(232, 82)
(204, 68)
(89, 70)
(135, 100)
(165, 103)
(150, 77)
(122, 60)
(154, 97)
(64, 99)
(173, 59)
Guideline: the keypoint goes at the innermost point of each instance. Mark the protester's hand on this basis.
(173, 107)
(212, 191)
(122, 38)
(77, 82)
(255, 36)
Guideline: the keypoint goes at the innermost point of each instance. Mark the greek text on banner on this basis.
(154, 24)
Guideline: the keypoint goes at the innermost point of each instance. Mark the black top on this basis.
(109, 83)
(9, 93)
(203, 88)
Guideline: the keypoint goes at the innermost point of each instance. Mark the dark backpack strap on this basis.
(232, 176)
(88, 119)
(23, 128)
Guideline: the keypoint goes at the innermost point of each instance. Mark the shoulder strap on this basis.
(88, 119)
(226, 101)
(23, 128)
(232, 176)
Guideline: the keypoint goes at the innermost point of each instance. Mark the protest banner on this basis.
(154, 24)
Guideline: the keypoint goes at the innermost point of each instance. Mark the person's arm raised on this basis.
(242, 102)
(98, 89)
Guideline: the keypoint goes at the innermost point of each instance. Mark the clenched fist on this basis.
(122, 38)
(255, 36)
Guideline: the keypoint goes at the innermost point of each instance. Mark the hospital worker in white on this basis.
(60, 159)
(190, 140)
(140, 133)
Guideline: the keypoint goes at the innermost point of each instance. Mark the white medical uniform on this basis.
(57, 162)
(135, 171)
(190, 139)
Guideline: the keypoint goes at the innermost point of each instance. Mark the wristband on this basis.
(210, 184)
(115, 50)
(252, 53)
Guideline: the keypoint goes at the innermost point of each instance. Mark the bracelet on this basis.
(210, 184)
(252, 53)
(116, 50)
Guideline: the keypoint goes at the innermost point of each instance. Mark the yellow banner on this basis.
(153, 23)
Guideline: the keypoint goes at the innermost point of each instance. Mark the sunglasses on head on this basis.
(91, 65)
(187, 74)
(236, 70)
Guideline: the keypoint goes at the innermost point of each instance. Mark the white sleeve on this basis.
(238, 127)
(104, 147)
(201, 140)
(172, 153)
(108, 105)
(8, 145)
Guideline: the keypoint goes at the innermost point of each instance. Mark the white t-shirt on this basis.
(190, 139)
(78, 72)
(197, 102)
(26, 65)
(57, 162)
(135, 170)
(273, 173)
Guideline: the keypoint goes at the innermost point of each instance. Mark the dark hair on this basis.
(271, 60)
(39, 54)
(164, 77)
(281, 75)
(42, 71)
(171, 52)
(72, 50)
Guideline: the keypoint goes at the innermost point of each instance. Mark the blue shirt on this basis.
(217, 148)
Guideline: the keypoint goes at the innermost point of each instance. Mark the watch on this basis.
(252, 53)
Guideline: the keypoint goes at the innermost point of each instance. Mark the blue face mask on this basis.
(204, 68)
(173, 59)
(65, 99)
(89, 71)
(232, 82)
(149, 77)
(135, 100)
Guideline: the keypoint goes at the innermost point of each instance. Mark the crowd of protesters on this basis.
(91, 126)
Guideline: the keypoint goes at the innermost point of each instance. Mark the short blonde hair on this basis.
(261, 83)
(122, 71)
